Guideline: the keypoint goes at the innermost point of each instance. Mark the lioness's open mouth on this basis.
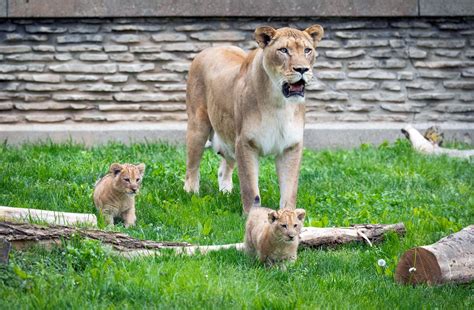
(295, 89)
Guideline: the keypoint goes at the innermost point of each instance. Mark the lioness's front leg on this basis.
(247, 166)
(288, 170)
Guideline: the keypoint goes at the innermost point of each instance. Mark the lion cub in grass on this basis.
(273, 236)
(114, 194)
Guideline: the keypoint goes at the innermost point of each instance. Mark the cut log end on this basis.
(418, 266)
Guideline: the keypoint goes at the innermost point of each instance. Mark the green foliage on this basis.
(385, 184)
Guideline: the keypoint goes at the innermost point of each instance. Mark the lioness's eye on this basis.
(307, 50)
(138, 180)
(126, 179)
(283, 225)
(295, 225)
(283, 50)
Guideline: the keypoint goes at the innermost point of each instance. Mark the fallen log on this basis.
(370, 233)
(450, 260)
(51, 217)
(23, 235)
(422, 145)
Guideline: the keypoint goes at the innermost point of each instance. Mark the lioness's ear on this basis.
(273, 216)
(115, 168)
(263, 35)
(300, 214)
(141, 168)
(316, 32)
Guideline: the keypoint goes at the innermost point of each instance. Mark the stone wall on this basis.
(99, 71)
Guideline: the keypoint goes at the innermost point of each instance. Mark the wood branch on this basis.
(422, 145)
(370, 233)
(51, 217)
(23, 235)
(450, 260)
(5, 247)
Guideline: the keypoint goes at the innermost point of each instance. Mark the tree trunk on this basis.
(451, 259)
(25, 235)
(315, 236)
(50, 217)
(422, 145)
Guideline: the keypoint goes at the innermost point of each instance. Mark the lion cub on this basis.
(114, 194)
(273, 236)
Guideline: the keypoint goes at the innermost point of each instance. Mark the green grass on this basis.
(433, 196)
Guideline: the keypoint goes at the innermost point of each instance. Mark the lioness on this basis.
(114, 194)
(251, 105)
(273, 236)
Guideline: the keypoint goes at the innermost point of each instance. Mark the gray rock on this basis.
(431, 96)
(366, 43)
(16, 37)
(414, 108)
(7, 77)
(93, 57)
(127, 38)
(82, 28)
(459, 85)
(185, 47)
(46, 118)
(176, 87)
(439, 64)
(115, 48)
(79, 48)
(43, 48)
(79, 38)
(169, 37)
(371, 74)
(468, 73)
(44, 29)
(421, 85)
(99, 87)
(4, 106)
(157, 56)
(160, 77)
(363, 64)
(135, 87)
(41, 78)
(5, 119)
(347, 35)
(329, 44)
(148, 97)
(63, 57)
(447, 53)
(438, 74)
(455, 108)
(48, 87)
(392, 64)
(81, 78)
(12, 68)
(327, 65)
(334, 108)
(136, 67)
(177, 67)
(441, 43)
(219, 36)
(81, 97)
(383, 97)
(328, 96)
(116, 78)
(122, 57)
(416, 53)
(6, 49)
(30, 57)
(360, 108)
(330, 75)
(390, 86)
(355, 85)
(146, 49)
(119, 107)
(344, 54)
(82, 68)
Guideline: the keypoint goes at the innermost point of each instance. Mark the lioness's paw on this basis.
(191, 188)
(225, 187)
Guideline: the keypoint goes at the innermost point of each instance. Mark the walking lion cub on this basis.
(114, 194)
(273, 236)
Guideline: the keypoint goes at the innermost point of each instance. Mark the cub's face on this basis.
(289, 56)
(287, 224)
(127, 177)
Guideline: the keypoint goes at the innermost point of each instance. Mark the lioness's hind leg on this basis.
(224, 175)
(196, 136)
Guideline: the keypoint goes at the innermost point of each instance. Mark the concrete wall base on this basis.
(317, 136)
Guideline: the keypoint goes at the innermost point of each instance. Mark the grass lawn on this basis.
(433, 196)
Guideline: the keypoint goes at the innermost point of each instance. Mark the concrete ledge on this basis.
(446, 8)
(317, 136)
(220, 8)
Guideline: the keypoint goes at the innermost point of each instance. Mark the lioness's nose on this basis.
(301, 69)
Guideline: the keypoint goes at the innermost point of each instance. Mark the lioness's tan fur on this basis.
(273, 236)
(114, 194)
(238, 100)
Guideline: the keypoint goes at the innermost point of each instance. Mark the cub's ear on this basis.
(115, 168)
(141, 168)
(273, 216)
(316, 32)
(300, 214)
(263, 35)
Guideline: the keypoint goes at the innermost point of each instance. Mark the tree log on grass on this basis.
(422, 145)
(51, 217)
(22, 235)
(450, 260)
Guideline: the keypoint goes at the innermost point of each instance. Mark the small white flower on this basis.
(412, 269)
(382, 263)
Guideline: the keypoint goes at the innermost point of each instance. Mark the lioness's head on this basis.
(289, 55)
(127, 177)
(286, 223)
